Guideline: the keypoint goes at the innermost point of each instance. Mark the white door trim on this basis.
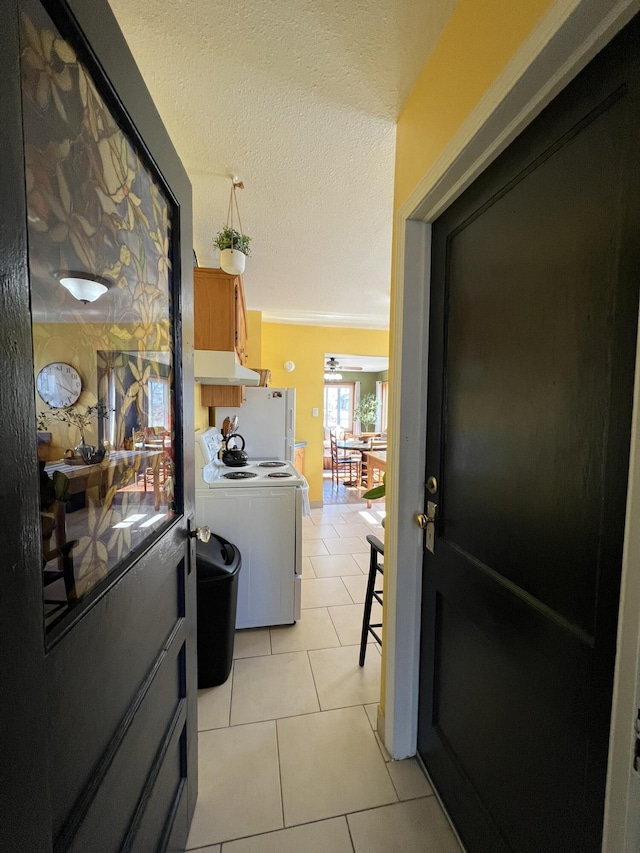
(569, 35)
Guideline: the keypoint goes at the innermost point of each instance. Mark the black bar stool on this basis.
(375, 565)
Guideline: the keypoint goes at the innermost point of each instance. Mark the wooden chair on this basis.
(64, 557)
(343, 460)
(53, 492)
(154, 438)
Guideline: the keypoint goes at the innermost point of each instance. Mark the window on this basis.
(159, 403)
(338, 406)
(382, 394)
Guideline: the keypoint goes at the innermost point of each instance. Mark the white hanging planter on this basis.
(232, 261)
(233, 245)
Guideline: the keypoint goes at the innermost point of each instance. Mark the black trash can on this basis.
(217, 564)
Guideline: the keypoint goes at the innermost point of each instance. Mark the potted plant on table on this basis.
(366, 411)
(76, 417)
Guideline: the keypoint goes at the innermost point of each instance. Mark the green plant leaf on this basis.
(229, 238)
(374, 494)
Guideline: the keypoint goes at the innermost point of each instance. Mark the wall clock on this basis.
(59, 384)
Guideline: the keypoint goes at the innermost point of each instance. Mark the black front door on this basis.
(532, 347)
(98, 743)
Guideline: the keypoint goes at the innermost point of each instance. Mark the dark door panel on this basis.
(531, 324)
(500, 691)
(131, 773)
(163, 814)
(102, 746)
(533, 327)
(87, 728)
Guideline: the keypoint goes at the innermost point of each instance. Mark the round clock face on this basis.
(59, 384)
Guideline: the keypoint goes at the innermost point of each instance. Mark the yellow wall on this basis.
(254, 339)
(306, 347)
(477, 42)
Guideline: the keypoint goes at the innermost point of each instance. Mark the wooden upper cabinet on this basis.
(220, 312)
(220, 324)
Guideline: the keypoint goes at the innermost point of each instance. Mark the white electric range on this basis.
(258, 507)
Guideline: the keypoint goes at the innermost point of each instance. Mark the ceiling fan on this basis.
(333, 364)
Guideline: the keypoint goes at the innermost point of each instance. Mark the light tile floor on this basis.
(289, 759)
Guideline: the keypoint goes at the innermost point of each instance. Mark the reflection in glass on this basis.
(95, 211)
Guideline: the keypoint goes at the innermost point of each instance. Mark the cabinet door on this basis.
(221, 395)
(215, 309)
(240, 322)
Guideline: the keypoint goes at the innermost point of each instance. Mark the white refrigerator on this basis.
(266, 421)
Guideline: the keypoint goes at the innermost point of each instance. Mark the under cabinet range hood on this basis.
(219, 367)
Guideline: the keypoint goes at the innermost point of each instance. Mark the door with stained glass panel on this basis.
(101, 307)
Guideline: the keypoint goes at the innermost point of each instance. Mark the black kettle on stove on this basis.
(232, 455)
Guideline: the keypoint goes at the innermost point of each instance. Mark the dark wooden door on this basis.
(99, 745)
(532, 347)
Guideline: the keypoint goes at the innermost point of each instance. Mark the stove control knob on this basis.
(202, 533)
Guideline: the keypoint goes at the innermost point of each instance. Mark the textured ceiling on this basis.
(299, 100)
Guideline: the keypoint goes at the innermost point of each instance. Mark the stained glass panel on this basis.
(104, 367)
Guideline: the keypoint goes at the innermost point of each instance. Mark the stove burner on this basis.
(280, 474)
(240, 475)
(271, 464)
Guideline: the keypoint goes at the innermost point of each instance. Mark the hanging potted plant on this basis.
(233, 245)
(234, 248)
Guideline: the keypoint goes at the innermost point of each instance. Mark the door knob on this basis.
(422, 520)
(202, 533)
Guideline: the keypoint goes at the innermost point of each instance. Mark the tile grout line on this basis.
(313, 676)
(353, 844)
(335, 628)
(279, 773)
(233, 676)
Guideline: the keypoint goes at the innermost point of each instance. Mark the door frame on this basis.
(567, 37)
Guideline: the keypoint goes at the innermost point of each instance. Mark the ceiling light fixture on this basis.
(85, 287)
(331, 374)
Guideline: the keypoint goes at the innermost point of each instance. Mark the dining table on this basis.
(83, 476)
(375, 460)
(364, 447)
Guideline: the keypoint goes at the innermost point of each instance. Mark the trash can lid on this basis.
(216, 558)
